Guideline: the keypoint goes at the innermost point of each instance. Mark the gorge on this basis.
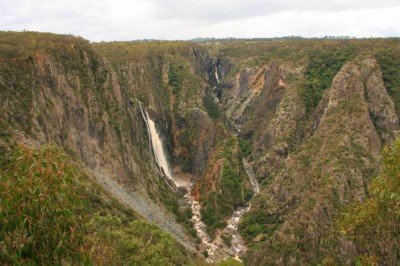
(212, 247)
(246, 149)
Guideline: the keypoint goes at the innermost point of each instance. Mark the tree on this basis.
(374, 225)
(39, 196)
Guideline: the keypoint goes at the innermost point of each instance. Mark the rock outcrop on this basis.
(332, 168)
(213, 104)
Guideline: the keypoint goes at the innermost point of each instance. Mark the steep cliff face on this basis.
(311, 117)
(88, 102)
(172, 80)
(86, 98)
(76, 101)
(57, 89)
(274, 117)
(330, 169)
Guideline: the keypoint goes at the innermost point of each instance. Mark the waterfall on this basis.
(216, 249)
(216, 100)
(157, 145)
(158, 148)
(216, 74)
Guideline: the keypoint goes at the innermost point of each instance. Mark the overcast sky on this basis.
(108, 20)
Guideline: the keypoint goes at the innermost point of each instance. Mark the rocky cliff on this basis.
(311, 117)
(307, 179)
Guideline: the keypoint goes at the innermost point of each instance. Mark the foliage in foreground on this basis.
(39, 196)
(47, 217)
(135, 243)
(374, 225)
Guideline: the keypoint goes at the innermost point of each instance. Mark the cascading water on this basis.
(200, 227)
(216, 74)
(160, 155)
(158, 148)
(161, 159)
(213, 247)
(237, 242)
(218, 82)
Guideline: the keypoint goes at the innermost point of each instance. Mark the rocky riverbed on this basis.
(217, 249)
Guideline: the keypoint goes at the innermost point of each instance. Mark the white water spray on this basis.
(216, 74)
(157, 145)
(158, 149)
(214, 251)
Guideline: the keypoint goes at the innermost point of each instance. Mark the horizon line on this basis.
(215, 39)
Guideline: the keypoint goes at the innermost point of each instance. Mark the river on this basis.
(216, 249)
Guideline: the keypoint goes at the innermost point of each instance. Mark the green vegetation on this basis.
(51, 215)
(135, 243)
(375, 223)
(31, 62)
(211, 106)
(178, 70)
(17, 90)
(322, 59)
(230, 262)
(389, 61)
(245, 147)
(170, 201)
(320, 71)
(40, 199)
(185, 85)
(233, 189)
(122, 52)
(259, 224)
(22, 45)
(211, 215)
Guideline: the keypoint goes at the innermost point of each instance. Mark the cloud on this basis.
(313, 23)
(237, 9)
(107, 20)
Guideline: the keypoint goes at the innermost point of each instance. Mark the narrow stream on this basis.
(216, 248)
(238, 246)
(200, 228)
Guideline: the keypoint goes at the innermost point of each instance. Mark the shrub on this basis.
(320, 71)
(39, 193)
(135, 243)
(390, 64)
(245, 147)
(374, 225)
(233, 187)
(211, 106)
(255, 223)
